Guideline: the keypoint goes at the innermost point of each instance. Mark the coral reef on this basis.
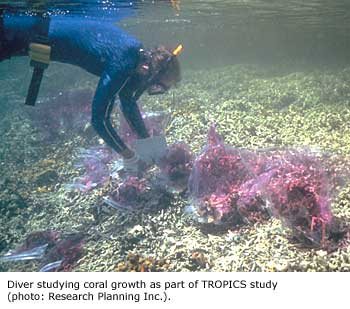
(137, 263)
(254, 107)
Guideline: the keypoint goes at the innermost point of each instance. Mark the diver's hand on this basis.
(151, 149)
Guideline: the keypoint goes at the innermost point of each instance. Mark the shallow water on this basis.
(269, 73)
(221, 32)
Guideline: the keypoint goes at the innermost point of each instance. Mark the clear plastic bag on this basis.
(66, 112)
(236, 185)
(298, 188)
(33, 247)
(176, 166)
(138, 194)
(56, 252)
(155, 123)
(64, 255)
(94, 161)
(217, 175)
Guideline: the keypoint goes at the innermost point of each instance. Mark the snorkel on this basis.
(178, 50)
(152, 70)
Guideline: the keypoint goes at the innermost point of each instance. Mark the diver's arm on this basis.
(102, 107)
(132, 114)
(149, 149)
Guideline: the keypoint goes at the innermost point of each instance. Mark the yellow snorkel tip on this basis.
(178, 50)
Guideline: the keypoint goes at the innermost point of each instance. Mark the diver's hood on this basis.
(153, 64)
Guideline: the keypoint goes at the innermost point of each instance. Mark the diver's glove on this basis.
(151, 149)
(131, 166)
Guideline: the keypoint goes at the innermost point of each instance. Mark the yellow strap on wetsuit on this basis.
(40, 53)
(39, 49)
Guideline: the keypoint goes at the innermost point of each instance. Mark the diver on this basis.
(125, 68)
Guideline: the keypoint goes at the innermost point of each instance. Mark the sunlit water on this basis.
(222, 32)
(214, 33)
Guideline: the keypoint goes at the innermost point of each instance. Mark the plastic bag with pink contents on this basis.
(217, 176)
(176, 166)
(298, 186)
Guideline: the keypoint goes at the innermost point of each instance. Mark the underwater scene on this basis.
(174, 136)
